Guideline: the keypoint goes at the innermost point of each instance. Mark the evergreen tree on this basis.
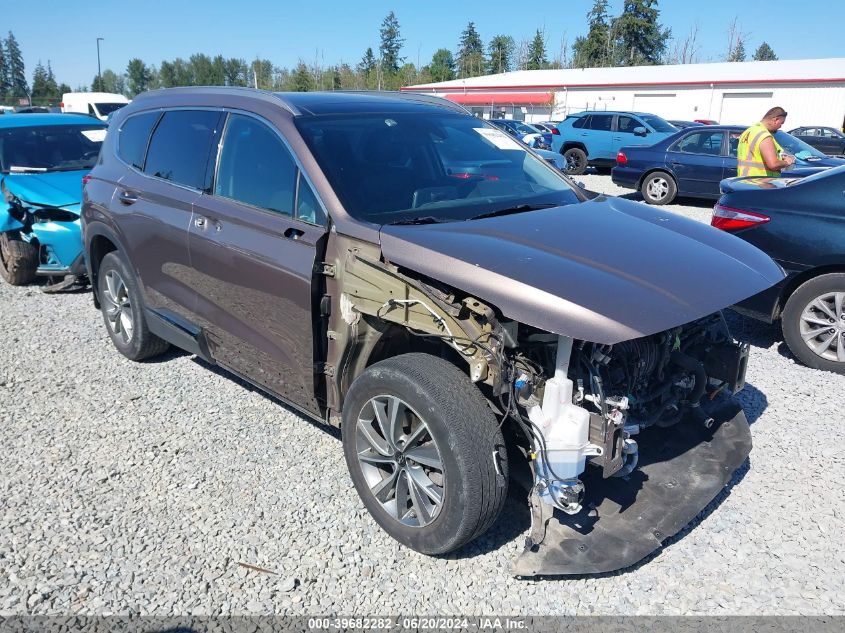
(537, 53)
(595, 50)
(167, 75)
(138, 77)
(641, 39)
(54, 95)
(4, 74)
(442, 66)
(109, 81)
(470, 58)
(501, 49)
(39, 84)
(301, 79)
(737, 52)
(63, 88)
(764, 53)
(16, 76)
(391, 44)
(367, 68)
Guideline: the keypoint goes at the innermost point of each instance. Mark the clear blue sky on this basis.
(64, 32)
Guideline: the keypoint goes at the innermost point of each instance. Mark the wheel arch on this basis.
(653, 170)
(100, 240)
(800, 279)
(574, 144)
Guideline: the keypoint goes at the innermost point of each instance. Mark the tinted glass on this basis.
(48, 148)
(402, 166)
(308, 209)
(701, 143)
(107, 108)
(658, 124)
(582, 122)
(601, 122)
(180, 146)
(255, 166)
(133, 136)
(626, 124)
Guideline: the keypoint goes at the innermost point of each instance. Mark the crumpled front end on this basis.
(627, 442)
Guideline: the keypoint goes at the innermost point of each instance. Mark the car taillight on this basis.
(555, 131)
(62, 104)
(621, 159)
(730, 219)
(86, 179)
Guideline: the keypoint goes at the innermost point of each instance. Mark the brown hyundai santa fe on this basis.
(467, 315)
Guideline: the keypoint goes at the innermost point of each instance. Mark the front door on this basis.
(253, 245)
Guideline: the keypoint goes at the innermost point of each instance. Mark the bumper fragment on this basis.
(681, 470)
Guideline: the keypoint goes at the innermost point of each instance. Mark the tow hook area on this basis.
(623, 520)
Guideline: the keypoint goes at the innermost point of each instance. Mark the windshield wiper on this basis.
(423, 220)
(520, 208)
(19, 169)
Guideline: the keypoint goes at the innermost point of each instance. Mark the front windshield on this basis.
(107, 108)
(793, 145)
(658, 124)
(47, 148)
(436, 166)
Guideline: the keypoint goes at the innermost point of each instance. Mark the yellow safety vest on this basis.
(749, 159)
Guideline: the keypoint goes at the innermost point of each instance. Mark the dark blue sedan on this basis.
(694, 161)
(800, 223)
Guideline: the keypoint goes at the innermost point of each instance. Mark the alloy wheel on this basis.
(657, 188)
(822, 326)
(400, 461)
(118, 307)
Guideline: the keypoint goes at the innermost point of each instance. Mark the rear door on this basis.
(253, 245)
(153, 207)
(599, 137)
(698, 162)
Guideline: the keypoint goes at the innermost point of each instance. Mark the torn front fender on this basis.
(624, 520)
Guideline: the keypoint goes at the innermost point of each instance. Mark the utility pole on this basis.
(99, 75)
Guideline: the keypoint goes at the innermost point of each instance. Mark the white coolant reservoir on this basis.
(565, 429)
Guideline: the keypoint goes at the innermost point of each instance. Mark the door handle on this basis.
(127, 197)
(200, 222)
(294, 234)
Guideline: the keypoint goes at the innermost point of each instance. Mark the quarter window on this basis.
(255, 167)
(180, 147)
(308, 209)
(133, 137)
(582, 122)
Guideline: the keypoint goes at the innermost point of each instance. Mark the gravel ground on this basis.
(142, 488)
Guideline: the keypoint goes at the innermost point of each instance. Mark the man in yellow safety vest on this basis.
(758, 153)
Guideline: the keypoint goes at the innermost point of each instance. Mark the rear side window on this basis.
(180, 146)
(601, 122)
(256, 166)
(701, 143)
(133, 136)
(582, 122)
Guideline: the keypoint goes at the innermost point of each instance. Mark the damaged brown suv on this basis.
(393, 266)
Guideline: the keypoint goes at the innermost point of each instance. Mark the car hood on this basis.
(55, 189)
(606, 270)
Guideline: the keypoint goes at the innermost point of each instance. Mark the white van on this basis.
(98, 104)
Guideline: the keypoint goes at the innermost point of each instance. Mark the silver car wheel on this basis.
(118, 307)
(658, 188)
(400, 461)
(822, 326)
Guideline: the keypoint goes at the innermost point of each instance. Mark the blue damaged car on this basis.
(43, 158)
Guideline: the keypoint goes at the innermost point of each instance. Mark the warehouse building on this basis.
(811, 90)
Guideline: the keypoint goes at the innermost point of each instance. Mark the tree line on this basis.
(634, 37)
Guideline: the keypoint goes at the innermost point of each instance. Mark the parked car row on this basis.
(396, 267)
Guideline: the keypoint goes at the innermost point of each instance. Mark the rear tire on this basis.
(452, 495)
(18, 260)
(806, 322)
(576, 161)
(123, 310)
(659, 188)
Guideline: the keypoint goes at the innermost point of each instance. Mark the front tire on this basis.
(18, 260)
(576, 161)
(123, 311)
(813, 322)
(424, 452)
(659, 188)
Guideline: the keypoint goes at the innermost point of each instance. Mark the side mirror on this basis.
(640, 131)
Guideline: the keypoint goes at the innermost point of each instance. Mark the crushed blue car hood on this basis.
(57, 189)
(606, 270)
